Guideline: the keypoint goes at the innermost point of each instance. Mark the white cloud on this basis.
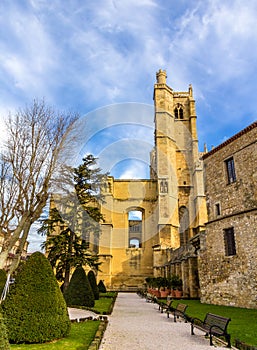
(85, 55)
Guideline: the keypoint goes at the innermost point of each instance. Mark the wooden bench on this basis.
(178, 311)
(213, 325)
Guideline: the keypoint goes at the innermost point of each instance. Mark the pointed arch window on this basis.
(178, 112)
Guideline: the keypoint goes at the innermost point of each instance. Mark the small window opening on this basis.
(229, 241)
(217, 209)
(231, 172)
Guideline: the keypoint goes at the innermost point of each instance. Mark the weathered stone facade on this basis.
(172, 203)
(124, 266)
(227, 257)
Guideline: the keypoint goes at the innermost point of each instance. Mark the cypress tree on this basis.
(35, 310)
(79, 291)
(101, 287)
(93, 284)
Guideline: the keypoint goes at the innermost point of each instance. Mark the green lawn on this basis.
(80, 338)
(243, 324)
(103, 306)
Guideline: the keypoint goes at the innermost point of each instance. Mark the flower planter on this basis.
(164, 293)
(178, 293)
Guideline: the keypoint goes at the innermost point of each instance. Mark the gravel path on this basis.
(138, 325)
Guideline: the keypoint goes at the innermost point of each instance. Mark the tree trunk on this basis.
(17, 258)
(66, 277)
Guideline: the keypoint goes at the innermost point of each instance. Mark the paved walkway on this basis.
(138, 325)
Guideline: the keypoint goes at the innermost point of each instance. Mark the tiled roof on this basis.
(231, 139)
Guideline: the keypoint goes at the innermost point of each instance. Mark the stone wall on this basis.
(231, 279)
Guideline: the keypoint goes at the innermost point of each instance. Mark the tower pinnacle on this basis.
(161, 76)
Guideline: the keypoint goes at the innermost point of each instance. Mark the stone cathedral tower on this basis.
(172, 202)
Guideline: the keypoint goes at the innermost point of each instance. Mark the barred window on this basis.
(229, 241)
(230, 167)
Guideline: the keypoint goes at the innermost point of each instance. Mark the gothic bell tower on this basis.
(176, 165)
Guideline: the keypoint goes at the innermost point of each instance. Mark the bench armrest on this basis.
(196, 321)
(216, 326)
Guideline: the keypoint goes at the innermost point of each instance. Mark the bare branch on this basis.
(28, 160)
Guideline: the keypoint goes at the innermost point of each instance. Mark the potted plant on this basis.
(176, 284)
(164, 290)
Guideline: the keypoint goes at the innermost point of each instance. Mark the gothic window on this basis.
(178, 112)
(229, 241)
(135, 228)
(230, 168)
(183, 225)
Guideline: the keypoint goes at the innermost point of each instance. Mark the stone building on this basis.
(227, 256)
(149, 223)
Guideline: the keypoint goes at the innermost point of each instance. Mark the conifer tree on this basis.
(93, 284)
(79, 291)
(34, 309)
(101, 287)
(79, 220)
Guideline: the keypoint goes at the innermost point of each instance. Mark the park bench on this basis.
(165, 305)
(178, 311)
(151, 298)
(213, 325)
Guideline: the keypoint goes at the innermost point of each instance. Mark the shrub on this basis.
(3, 278)
(101, 287)
(4, 344)
(35, 310)
(79, 291)
(93, 284)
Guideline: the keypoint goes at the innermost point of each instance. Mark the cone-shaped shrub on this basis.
(4, 343)
(101, 287)
(79, 291)
(3, 278)
(93, 284)
(35, 310)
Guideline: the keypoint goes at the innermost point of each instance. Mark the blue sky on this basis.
(86, 55)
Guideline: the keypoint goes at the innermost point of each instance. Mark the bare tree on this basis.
(35, 137)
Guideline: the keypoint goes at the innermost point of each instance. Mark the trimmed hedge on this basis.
(35, 310)
(93, 284)
(4, 344)
(79, 291)
(101, 287)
